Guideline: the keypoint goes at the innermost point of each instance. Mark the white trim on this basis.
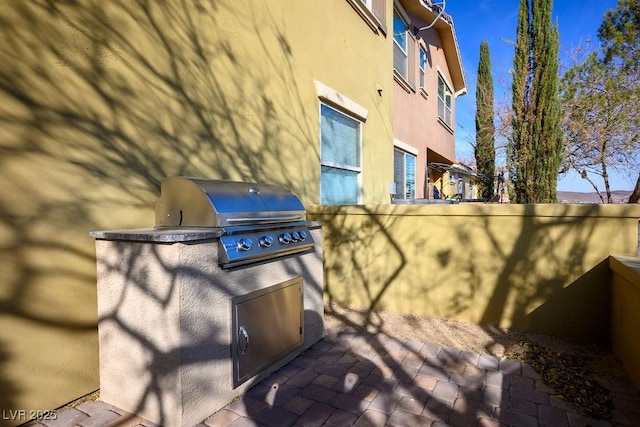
(336, 99)
(445, 78)
(406, 155)
(461, 92)
(407, 39)
(366, 13)
(422, 43)
(444, 101)
(404, 84)
(445, 125)
(407, 24)
(405, 147)
(422, 84)
(402, 12)
(341, 166)
(356, 169)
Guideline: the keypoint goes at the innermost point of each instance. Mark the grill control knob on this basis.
(285, 238)
(266, 241)
(303, 235)
(295, 236)
(244, 244)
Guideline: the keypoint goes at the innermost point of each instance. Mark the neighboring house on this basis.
(428, 77)
(458, 181)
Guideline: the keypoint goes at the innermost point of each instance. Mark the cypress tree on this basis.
(485, 129)
(536, 146)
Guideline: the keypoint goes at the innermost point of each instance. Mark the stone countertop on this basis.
(167, 235)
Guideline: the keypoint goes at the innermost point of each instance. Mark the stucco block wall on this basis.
(165, 324)
(541, 268)
(625, 307)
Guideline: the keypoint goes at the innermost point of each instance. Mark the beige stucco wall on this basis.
(625, 302)
(101, 100)
(166, 327)
(541, 268)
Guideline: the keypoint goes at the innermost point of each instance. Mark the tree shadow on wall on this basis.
(155, 359)
(544, 263)
(99, 102)
(174, 100)
(405, 372)
(361, 244)
(538, 276)
(536, 269)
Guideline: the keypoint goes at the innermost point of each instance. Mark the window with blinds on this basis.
(404, 174)
(400, 45)
(340, 157)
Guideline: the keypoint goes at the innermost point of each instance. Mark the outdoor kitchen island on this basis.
(185, 327)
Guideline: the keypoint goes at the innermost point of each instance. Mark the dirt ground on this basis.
(588, 376)
(483, 339)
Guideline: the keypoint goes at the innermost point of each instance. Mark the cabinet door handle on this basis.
(243, 340)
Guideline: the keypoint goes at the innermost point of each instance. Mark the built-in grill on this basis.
(226, 288)
(258, 221)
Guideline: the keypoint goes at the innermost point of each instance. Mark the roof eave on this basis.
(446, 30)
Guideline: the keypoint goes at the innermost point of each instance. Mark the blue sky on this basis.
(495, 21)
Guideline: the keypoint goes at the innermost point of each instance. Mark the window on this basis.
(400, 45)
(339, 157)
(444, 102)
(373, 12)
(423, 68)
(404, 174)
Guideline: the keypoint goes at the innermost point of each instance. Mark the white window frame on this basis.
(406, 150)
(404, 190)
(374, 18)
(346, 167)
(446, 116)
(345, 106)
(404, 50)
(422, 65)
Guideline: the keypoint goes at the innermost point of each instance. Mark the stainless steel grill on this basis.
(258, 222)
(199, 331)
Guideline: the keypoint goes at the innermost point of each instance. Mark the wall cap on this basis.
(558, 211)
(627, 267)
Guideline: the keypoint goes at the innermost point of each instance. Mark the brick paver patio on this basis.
(353, 378)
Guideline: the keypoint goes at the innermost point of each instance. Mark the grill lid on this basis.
(197, 202)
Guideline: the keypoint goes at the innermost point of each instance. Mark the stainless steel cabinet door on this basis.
(267, 324)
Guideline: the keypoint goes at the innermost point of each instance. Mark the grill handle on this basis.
(253, 220)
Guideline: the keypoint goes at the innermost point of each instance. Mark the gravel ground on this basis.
(588, 376)
(483, 339)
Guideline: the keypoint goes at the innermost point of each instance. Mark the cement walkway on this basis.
(350, 378)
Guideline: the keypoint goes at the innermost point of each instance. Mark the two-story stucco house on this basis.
(99, 101)
(428, 76)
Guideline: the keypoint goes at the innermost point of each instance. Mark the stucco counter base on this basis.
(165, 323)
